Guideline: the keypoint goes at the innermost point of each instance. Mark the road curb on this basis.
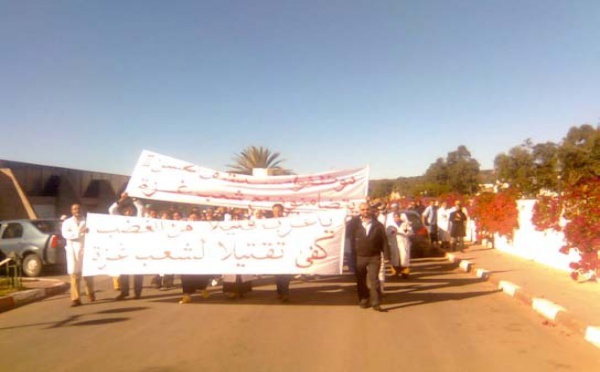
(52, 287)
(543, 306)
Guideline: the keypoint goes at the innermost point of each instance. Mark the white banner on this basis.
(158, 177)
(307, 244)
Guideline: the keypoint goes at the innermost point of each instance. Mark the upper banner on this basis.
(160, 177)
(308, 244)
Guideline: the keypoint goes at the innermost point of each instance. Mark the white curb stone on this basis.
(483, 273)
(508, 287)
(592, 334)
(28, 295)
(465, 265)
(547, 308)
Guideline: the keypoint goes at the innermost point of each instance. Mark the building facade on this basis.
(40, 191)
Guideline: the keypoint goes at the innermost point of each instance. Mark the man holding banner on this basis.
(283, 280)
(192, 283)
(127, 206)
(368, 241)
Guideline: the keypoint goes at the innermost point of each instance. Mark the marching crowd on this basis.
(377, 236)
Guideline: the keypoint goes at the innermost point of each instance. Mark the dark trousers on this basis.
(433, 233)
(138, 281)
(191, 283)
(458, 242)
(283, 284)
(238, 287)
(367, 283)
(165, 281)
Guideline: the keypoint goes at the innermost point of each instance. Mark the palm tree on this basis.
(257, 157)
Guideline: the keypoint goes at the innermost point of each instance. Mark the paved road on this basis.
(439, 320)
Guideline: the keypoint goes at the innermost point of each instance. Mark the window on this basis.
(13, 230)
(47, 227)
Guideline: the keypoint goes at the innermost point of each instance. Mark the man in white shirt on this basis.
(73, 230)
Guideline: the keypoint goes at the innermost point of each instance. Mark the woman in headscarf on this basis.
(399, 233)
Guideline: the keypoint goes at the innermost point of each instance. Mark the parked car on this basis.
(38, 244)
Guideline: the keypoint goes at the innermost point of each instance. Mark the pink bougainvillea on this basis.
(496, 213)
(546, 213)
(581, 205)
(582, 210)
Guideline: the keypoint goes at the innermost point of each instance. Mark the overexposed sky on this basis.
(329, 84)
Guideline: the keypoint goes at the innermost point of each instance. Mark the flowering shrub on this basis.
(546, 213)
(582, 210)
(496, 213)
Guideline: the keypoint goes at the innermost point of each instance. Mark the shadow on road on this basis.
(72, 320)
(100, 322)
(122, 310)
(432, 281)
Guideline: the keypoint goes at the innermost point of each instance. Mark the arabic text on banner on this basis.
(159, 177)
(306, 244)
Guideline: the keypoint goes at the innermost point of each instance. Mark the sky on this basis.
(328, 84)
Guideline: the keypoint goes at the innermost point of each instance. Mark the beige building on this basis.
(40, 191)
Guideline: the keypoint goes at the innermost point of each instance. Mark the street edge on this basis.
(550, 310)
(21, 298)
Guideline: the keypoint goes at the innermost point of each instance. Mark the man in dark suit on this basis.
(368, 241)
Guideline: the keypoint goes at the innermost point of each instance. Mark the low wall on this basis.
(542, 247)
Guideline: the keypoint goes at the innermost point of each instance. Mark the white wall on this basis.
(535, 245)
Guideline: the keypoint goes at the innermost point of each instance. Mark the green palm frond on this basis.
(257, 157)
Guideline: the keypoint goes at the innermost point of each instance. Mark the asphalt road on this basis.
(439, 320)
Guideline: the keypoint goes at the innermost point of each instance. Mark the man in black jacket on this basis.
(368, 241)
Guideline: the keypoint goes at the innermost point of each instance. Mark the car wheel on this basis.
(32, 265)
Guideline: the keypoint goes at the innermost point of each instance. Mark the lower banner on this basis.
(303, 244)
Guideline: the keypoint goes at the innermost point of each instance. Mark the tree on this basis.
(529, 168)
(458, 173)
(380, 188)
(518, 168)
(257, 157)
(438, 172)
(545, 159)
(463, 171)
(579, 154)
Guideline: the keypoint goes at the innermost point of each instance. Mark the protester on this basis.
(389, 218)
(443, 223)
(127, 206)
(282, 280)
(349, 256)
(368, 241)
(191, 283)
(471, 225)
(379, 214)
(164, 281)
(458, 221)
(236, 286)
(429, 219)
(419, 207)
(74, 230)
(399, 233)
(167, 280)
